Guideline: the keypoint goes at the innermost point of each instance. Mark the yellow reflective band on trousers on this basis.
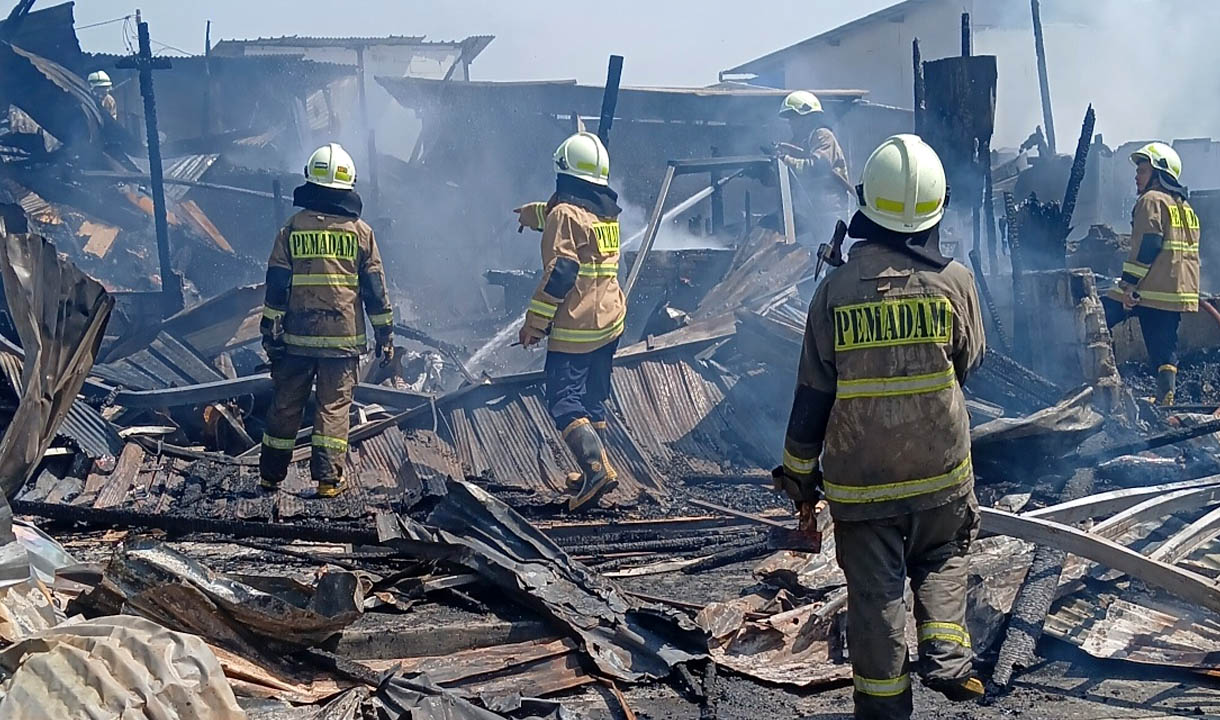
(1169, 297)
(886, 687)
(581, 336)
(948, 632)
(328, 442)
(325, 280)
(857, 494)
(902, 321)
(800, 466)
(598, 270)
(271, 313)
(276, 443)
(1130, 268)
(325, 341)
(895, 386)
(545, 309)
(382, 318)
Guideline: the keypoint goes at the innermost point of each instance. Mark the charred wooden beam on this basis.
(1048, 116)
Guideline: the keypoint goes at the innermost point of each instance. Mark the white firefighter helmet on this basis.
(1161, 156)
(99, 80)
(330, 166)
(582, 155)
(800, 102)
(904, 187)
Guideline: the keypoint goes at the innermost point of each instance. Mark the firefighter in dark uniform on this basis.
(879, 410)
(578, 307)
(1160, 279)
(324, 275)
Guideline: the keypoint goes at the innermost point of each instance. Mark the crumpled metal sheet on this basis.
(111, 667)
(1051, 432)
(626, 639)
(416, 697)
(159, 582)
(60, 314)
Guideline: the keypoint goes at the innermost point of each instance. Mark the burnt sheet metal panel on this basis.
(165, 363)
(84, 426)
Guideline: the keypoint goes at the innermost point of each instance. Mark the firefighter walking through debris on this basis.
(879, 409)
(578, 306)
(324, 274)
(816, 160)
(1160, 279)
(99, 82)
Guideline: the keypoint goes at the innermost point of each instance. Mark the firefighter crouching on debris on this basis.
(578, 306)
(816, 160)
(1160, 279)
(324, 274)
(99, 82)
(890, 339)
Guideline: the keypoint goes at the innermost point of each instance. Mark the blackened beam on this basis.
(1048, 116)
(1168, 438)
(614, 72)
(1079, 164)
(248, 385)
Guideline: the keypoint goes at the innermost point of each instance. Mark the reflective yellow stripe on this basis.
(541, 210)
(325, 341)
(800, 466)
(1181, 246)
(886, 687)
(382, 318)
(1134, 270)
(545, 309)
(279, 443)
(326, 280)
(271, 313)
(607, 236)
(587, 336)
(853, 494)
(948, 632)
(894, 206)
(328, 442)
(1169, 297)
(598, 270)
(893, 387)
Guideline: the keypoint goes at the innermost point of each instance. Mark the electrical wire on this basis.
(170, 47)
(104, 22)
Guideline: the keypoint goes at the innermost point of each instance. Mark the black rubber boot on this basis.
(575, 479)
(596, 473)
(1166, 383)
(962, 690)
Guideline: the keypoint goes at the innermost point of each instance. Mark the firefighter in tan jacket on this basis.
(578, 306)
(324, 275)
(1160, 279)
(816, 160)
(890, 339)
(99, 82)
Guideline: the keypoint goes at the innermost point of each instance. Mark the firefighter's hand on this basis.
(1131, 298)
(273, 348)
(804, 489)
(385, 344)
(531, 215)
(529, 336)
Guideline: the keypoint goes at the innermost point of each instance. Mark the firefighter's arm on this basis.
(1147, 239)
(277, 288)
(969, 337)
(376, 298)
(560, 266)
(811, 405)
(531, 215)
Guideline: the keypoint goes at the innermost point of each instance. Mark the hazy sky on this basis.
(664, 42)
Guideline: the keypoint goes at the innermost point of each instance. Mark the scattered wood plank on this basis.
(1188, 539)
(119, 482)
(1104, 504)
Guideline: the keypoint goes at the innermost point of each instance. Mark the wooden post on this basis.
(1048, 117)
(368, 126)
(920, 89)
(145, 63)
(614, 72)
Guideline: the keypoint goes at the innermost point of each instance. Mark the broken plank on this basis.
(1155, 508)
(1188, 539)
(1183, 583)
(1103, 504)
(456, 667)
(739, 514)
(120, 480)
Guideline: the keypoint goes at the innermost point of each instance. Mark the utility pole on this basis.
(145, 63)
(1048, 117)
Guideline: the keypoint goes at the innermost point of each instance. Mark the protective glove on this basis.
(1131, 298)
(805, 490)
(530, 335)
(274, 349)
(531, 215)
(385, 344)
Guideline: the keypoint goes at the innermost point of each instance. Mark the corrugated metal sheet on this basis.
(84, 426)
(185, 167)
(165, 363)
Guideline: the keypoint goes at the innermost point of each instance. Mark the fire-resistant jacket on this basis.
(578, 296)
(324, 273)
(822, 168)
(1163, 267)
(888, 344)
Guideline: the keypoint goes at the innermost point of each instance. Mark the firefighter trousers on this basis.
(878, 556)
(1159, 328)
(294, 377)
(578, 384)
